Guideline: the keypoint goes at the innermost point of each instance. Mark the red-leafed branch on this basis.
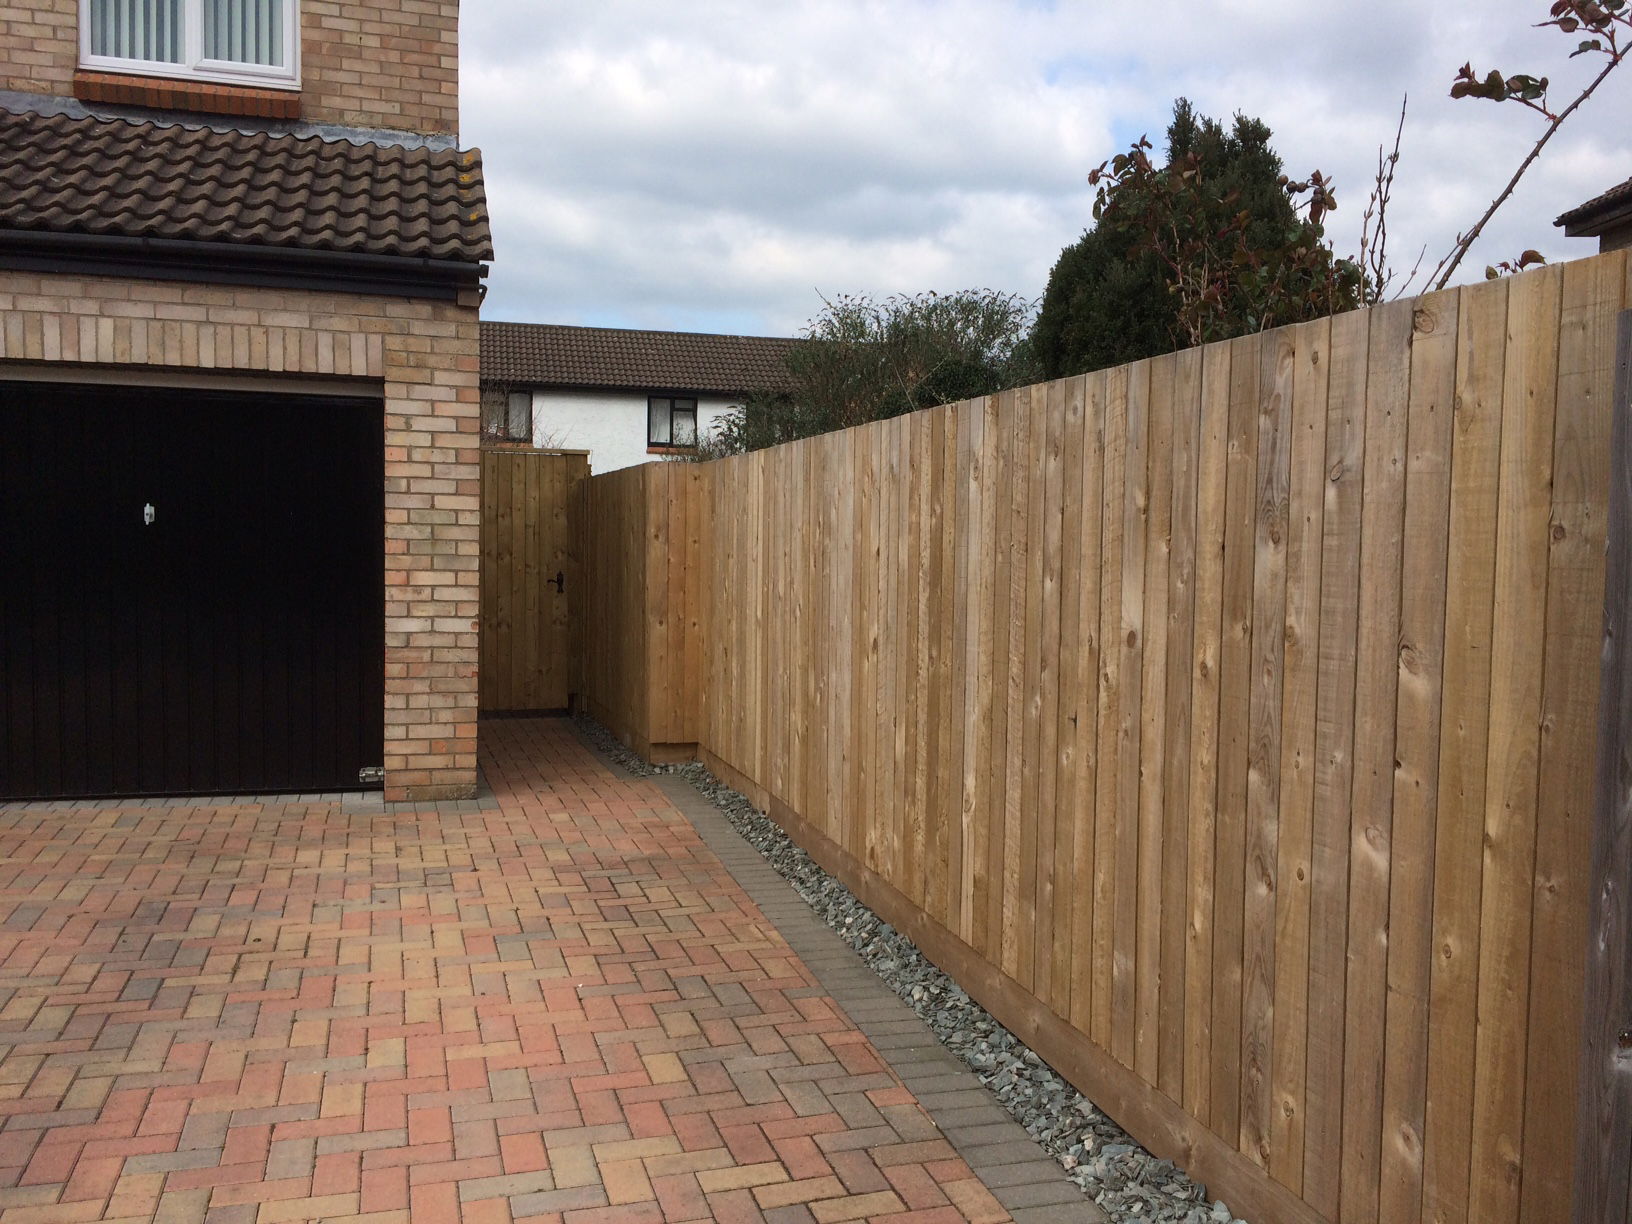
(1607, 29)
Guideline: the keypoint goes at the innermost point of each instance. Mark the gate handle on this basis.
(559, 581)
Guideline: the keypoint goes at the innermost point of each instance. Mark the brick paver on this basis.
(554, 1005)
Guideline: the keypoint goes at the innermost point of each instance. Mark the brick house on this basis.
(240, 262)
(623, 395)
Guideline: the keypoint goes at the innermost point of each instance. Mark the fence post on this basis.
(1604, 1128)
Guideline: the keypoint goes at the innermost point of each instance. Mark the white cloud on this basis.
(715, 164)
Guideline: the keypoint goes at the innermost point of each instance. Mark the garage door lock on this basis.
(371, 774)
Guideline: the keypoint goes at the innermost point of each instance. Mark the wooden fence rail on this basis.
(1225, 722)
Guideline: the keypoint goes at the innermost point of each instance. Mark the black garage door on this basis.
(191, 593)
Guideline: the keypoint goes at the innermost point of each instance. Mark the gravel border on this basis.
(1104, 1160)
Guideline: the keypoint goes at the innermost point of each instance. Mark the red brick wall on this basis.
(422, 357)
(386, 64)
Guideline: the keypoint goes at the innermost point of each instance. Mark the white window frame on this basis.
(196, 67)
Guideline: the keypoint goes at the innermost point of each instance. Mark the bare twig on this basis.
(1405, 285)
(1374, 224)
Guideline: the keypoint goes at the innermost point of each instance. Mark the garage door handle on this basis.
(560, 581)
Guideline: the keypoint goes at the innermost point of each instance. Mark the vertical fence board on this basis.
(896, 597)
(1027, 818)
(1003, 632)
(1135, 524)
(1305, 525)
(1007, 868)
(1234, 744)
(928, 439)
(501, 619)
(987, 493)
(1377, 679)
(1334, 759)
(844, 641)
(1158, 513)
(519, 610)
(948, 764)
(655, 491)
(1419, 696)
(1276, 384)
(488, 642)
(1211, 467)
(1110, 716)
(934, 621)
(966, 636)
(1071, 710)
(864, 695)
(1086, 865)
(1051, 658)
(783, 749)
(1181, 614)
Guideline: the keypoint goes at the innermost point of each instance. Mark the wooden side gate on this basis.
(530, 573)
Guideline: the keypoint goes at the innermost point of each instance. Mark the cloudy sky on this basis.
(719, 165)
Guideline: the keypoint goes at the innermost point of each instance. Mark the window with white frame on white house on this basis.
(671, 420)
(238, 42)
(508, 419)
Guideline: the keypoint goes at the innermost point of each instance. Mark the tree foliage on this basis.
(866, 360)
(1217, 242)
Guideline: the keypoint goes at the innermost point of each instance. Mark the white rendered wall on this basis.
(610, 425)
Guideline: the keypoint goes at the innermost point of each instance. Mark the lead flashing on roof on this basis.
(17, 102)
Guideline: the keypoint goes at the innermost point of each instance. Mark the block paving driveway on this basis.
(553, 1005)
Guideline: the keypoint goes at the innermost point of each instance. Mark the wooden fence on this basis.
(644, 534)
(528, 638)
(1226, 723)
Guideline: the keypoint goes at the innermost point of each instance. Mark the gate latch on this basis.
(370, 774)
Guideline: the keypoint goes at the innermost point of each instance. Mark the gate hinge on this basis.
(369, 774)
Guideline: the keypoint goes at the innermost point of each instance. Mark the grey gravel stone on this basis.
(1104, 1160)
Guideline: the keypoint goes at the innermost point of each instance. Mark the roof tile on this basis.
(547, 354)
(150, 180)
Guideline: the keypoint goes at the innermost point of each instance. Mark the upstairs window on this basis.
(238, 42)
(508, 418)
(671, 420)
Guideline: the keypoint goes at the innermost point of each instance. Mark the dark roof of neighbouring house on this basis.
(1598, 213)
(554, 355)
(134, 179)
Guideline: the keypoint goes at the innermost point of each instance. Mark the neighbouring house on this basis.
(240, 267)
(1607, 218)
(624, 396)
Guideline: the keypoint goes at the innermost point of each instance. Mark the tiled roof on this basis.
(147, 180)
(1615, 199)
(547, 354)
